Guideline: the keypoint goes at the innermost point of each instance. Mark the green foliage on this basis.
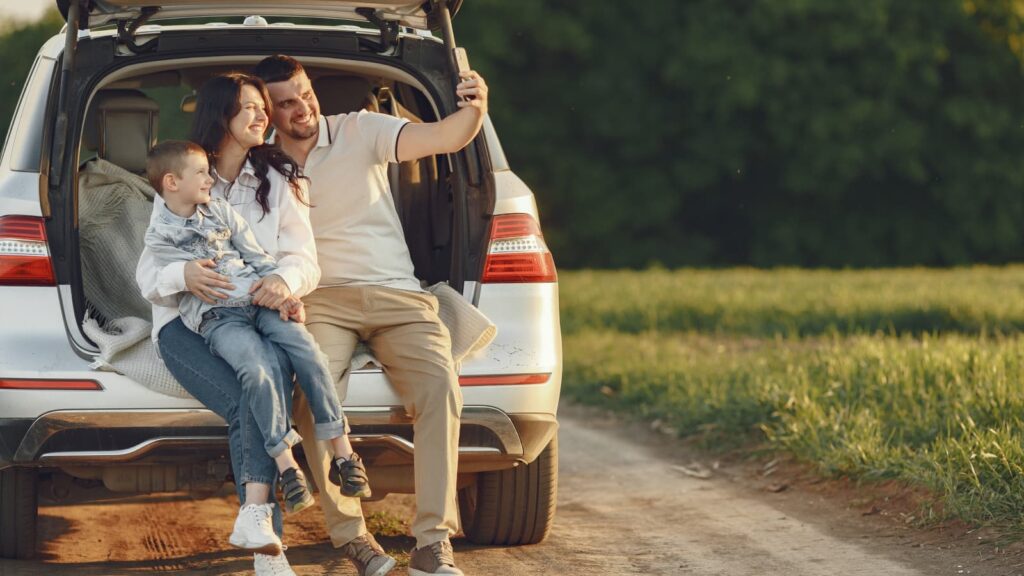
(934, 399)
(19, 43)
(763, 132)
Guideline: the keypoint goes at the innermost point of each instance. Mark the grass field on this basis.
(909, 374)
(796, 303)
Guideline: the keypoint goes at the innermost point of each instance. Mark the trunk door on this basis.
(417, 14)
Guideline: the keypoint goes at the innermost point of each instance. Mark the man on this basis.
(368, 292)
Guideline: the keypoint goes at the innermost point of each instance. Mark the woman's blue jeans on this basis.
(213, 382)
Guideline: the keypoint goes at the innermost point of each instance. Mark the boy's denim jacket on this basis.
(217, 232)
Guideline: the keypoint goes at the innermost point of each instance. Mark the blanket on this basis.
(113, 212)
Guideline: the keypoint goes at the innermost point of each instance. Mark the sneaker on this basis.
(267, 565)
(295, 490)
(367, 556)
(351, 475)
(254, 530)
(438, 558)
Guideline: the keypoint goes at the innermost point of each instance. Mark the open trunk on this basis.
(120, 99)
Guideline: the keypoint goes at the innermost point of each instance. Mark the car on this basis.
(122, 76)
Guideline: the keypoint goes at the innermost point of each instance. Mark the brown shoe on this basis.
(367, 556)
(438, 558)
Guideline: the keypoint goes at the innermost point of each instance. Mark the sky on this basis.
(24, 9)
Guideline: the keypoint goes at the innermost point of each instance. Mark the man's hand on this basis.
(204, 283)
(474, 89)
(293, 309)
(270, 292)
(418, 140)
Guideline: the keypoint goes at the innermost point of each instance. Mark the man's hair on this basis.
(277, 68)
(168, 157)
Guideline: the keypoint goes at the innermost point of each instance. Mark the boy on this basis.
(192, 226)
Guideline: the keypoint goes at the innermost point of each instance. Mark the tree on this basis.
(765, 132)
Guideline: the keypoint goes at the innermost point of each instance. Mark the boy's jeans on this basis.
(244, 338)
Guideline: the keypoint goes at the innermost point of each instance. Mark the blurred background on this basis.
(833, 133)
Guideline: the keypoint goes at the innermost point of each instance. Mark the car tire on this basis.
(512, 507)
(19, 506)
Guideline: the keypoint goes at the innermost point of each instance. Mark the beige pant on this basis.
(408, 339)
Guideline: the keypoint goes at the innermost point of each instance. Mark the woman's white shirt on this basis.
(284, 232)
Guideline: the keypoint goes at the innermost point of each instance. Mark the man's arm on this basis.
(454, 132)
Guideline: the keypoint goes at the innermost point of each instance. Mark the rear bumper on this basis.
(490, 439)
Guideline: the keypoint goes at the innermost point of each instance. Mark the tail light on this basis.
(505, 379)
(517, 252)
(24, 256)
(42, 384)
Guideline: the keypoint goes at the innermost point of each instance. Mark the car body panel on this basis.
(19, 193)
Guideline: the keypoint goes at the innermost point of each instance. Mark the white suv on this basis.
(119, 78)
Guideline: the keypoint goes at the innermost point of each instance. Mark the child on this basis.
(192, 226)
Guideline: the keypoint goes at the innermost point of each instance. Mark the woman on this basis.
(266, 188)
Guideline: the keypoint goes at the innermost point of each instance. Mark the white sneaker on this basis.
(254, 530)
(267, 565)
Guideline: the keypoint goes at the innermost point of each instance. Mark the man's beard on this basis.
(303, 134)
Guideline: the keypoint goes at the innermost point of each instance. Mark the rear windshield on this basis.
(24, 140)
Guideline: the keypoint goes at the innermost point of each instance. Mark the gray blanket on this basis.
(113, 212)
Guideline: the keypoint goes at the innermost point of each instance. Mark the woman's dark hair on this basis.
(216, 104)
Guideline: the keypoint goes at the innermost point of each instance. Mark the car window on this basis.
(24, 139)
(174, 123)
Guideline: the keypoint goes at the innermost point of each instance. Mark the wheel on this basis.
(19, 505)
(512, 507)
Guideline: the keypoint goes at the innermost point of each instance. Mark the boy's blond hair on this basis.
(168, 157)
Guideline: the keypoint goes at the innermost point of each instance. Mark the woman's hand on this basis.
(204, 283)
(293, 309)
(270, 292)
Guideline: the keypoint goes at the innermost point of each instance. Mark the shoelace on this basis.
(443, 552)
(365, 550)
(262, 513)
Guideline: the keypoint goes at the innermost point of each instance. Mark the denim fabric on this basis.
(216, 232)
(212, 381)
(243, 336)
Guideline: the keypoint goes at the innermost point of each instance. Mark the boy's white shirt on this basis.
(284, 232)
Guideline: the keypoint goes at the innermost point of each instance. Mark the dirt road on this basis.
(625, 507)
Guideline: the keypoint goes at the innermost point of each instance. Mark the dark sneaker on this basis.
(367, 556)
(438, 558)
(351, 476)
(295, 490)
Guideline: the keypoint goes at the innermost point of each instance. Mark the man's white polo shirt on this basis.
(359, 238)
